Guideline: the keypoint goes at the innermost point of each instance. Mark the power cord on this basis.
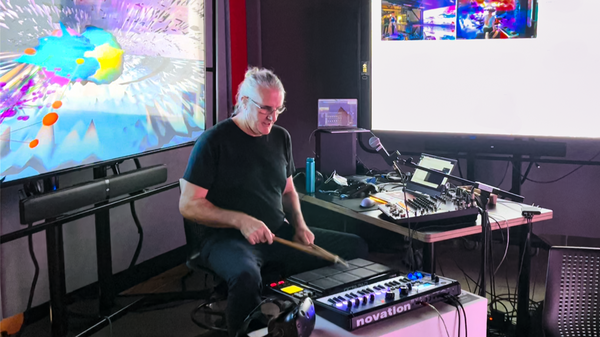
(138, 225)
(464, 315)
(33, 282)
(459, 308)
(507, 242)
(439, 315)
(505, 172)
(560, 178)
(309, 137)
(116, 171)
(452, 303)
(110, 327)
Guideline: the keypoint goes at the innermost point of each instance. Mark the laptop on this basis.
(339, 115)
(427, 182)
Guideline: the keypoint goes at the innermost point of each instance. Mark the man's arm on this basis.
(291, 207)
(194, 206)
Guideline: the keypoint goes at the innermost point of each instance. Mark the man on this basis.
(488, 21)
(238, 186)
(496, 33)
(386, 24)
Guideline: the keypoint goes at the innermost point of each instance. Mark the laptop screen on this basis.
(431, 181)
(338, 113)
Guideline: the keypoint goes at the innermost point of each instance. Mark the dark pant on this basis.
(239, 264)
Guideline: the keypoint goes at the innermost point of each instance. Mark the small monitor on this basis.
(338, 113)
(427, 182)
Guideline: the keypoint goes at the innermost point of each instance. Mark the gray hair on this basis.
(256, 78)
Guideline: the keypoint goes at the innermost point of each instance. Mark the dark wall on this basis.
(313, 46)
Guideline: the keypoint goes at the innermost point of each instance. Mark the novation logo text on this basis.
(381, 314)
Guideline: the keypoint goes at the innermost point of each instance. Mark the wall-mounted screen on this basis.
(90, 81)
(480, 67)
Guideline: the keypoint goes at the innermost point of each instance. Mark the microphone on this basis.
(375, 143)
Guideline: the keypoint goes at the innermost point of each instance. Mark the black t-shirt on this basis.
(242, 172)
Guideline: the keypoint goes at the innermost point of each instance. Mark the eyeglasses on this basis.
(267, 110)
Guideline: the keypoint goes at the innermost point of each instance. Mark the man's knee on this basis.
(358, 247)
(361, 248)
(247, 279)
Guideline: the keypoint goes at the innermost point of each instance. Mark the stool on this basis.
(209, 308)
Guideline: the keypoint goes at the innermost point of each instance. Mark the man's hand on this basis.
(255, 231)
(304, 236)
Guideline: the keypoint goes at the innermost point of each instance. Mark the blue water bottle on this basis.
(310, 175)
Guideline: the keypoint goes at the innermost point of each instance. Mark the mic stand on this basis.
(486, 191)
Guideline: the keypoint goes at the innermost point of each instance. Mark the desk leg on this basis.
(429, 258)
(523, 320)
(56, 280)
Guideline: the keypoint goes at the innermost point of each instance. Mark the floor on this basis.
(457, 259)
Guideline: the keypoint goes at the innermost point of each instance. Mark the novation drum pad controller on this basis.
(365, 292)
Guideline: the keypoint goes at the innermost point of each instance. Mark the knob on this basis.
(372, 298)
(364, 301)
(357, 302)
(409, 286)
(404, 290)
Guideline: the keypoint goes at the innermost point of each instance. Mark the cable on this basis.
(507, 241)
(140, 230)
(116, 171)
(110, 328)
(529, 224)
(464, 316)
(505, 172)
(560, 178)
(411, 251)
(33, 282)
(464, 313)
(467, 277)
(309, 137)
(439, 314)
(453, 303)
(441, 269)
(138, 225)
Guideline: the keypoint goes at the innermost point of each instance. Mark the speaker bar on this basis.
(53, 204)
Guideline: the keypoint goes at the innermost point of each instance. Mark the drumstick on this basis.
(322, 253)
(335, 258)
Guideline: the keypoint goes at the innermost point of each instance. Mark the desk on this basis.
(507, 213)
(419, 322)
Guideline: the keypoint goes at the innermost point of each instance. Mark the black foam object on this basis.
(53, 204)
(293, 320)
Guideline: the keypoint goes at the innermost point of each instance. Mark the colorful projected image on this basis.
(499, 19)
(440, 23)
(418, 20)
(97, 80)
